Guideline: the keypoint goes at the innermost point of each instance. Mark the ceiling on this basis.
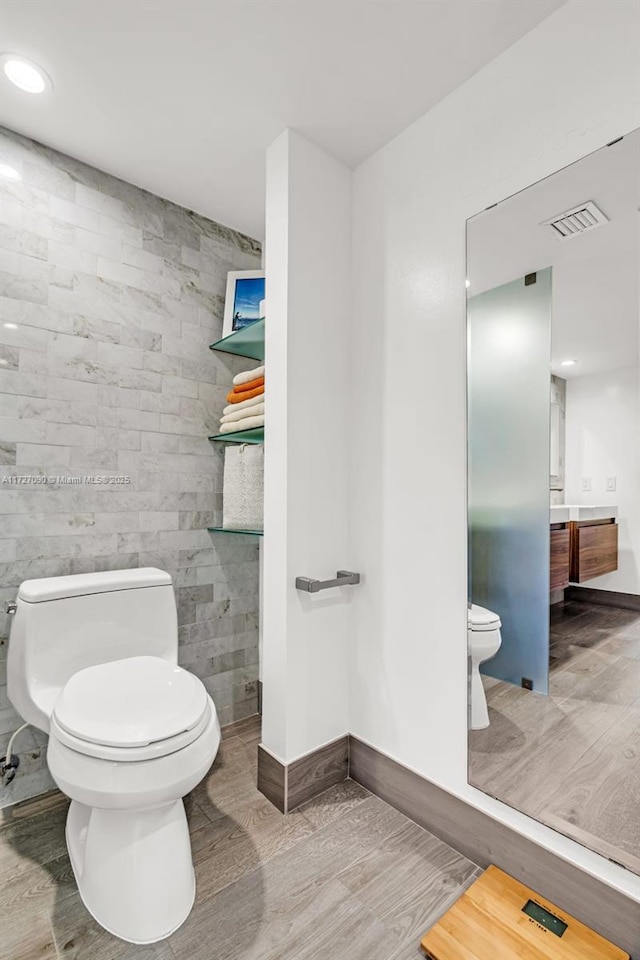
(594, 275)
(183, 97)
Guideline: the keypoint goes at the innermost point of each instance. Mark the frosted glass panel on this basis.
(509, 332)
(554, 464)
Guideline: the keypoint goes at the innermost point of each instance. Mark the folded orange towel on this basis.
(234, 397)
(251, 385)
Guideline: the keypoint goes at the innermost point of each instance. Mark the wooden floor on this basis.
(571, 760)
(345, 877)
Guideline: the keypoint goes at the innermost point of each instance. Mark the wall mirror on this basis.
(554, 501)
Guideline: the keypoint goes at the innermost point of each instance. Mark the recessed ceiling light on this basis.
(568, 363)
(25, 74)
(467, 283)
(10, 326)
(9, 173)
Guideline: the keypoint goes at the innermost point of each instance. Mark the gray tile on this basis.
(409, 880)
(108, 372)
(261, 908)
(7, 452)
(333, 803)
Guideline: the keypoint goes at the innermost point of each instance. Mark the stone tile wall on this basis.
(110, 298)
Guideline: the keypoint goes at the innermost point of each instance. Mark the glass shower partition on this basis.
(509, 335)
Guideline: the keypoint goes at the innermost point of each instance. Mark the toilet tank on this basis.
(63, 624)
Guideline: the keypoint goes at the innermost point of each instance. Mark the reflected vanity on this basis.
(553, 500)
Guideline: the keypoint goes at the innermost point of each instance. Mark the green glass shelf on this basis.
(247, 342)
(251, 533)
(256, 435)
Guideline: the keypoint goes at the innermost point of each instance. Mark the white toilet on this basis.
(483, 640)
(93, 662)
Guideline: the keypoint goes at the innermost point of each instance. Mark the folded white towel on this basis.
(243, 405)
(248, 375)
(247, 423)
(255, 411)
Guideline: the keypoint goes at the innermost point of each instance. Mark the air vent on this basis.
(573, 222)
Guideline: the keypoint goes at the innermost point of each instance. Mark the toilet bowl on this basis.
(92, 661)
(483, 642)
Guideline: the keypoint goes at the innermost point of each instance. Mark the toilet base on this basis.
(133, 868)
(479, 710)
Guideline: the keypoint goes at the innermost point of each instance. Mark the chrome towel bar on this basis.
(312, 586)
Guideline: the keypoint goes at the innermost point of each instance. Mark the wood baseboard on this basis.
(272, 778)
(31, 807)
(485, 841)
(609, 598)
(287, 786)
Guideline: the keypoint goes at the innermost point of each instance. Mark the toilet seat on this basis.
(129, 710)
(480, 619)
(152, 751)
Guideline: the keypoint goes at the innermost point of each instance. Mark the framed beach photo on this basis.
(245, 292)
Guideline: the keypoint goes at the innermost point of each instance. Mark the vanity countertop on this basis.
(564, 512)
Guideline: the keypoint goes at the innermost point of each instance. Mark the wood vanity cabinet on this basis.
(594, 549)
(560, 554)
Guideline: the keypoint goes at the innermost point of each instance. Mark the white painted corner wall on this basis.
(366, 436)
(603, 440)
(565, 89)
(308, 429)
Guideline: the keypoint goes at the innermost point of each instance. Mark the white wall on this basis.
(565, 89)
(308, 276)
(602, 437)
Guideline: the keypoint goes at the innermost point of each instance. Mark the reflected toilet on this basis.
(483, 642)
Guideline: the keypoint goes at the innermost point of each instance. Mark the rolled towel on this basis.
(247, 423)
(248, 375)
(245, 395)
(243, 405)
(249, 385)
(256, 410)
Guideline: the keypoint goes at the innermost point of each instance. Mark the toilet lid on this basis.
(479, 618)
(130, 703)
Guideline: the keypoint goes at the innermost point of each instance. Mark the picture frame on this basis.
(244, 295)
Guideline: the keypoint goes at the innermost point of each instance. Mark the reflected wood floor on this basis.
(344, 877)
(572, 759)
